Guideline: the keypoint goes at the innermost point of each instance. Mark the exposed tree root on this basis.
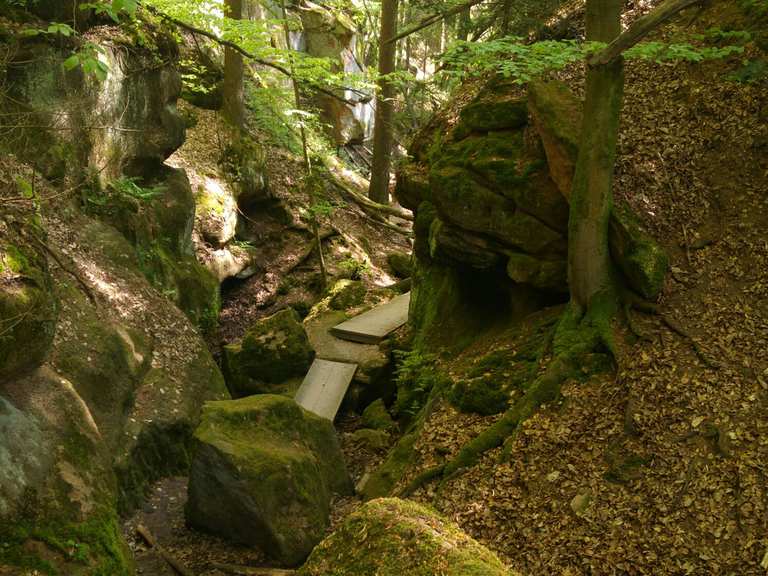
(576, 335)
(674, 325)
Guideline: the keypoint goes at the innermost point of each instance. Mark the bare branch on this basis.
(433, 19)
(228, 44)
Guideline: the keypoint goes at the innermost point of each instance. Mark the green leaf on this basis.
(25, 187)
(72, 62)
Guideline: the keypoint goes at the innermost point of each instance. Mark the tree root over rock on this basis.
(577, 334)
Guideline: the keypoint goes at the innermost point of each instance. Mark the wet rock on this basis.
(264, 474)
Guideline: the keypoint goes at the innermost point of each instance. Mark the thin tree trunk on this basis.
(234, 108)
(383, 128)
(592, 197)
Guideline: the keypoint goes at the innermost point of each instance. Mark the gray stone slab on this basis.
(324, 387)
(373, 326)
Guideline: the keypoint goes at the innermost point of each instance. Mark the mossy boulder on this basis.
(493, 110)
(401, 264)
(264, 474)
(392, 537)
(273, 350)
(376, 417)
(28, 309)
(347, 294)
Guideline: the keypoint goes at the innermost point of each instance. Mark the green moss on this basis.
(347, 294)
(391, 537)
(385, 477)
(28, 309)
(375, 440)
(273, 350)
(93, 547)
(549, 275)
(376, 417)
(492, 111)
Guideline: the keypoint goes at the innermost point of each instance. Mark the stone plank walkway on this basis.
(327, 381)
(373, 326)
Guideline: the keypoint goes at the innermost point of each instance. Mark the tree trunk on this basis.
(234, 108)
(383, 128)
(592, 197)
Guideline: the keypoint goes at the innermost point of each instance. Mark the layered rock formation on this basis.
(490, 191)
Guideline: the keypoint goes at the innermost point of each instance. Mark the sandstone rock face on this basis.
(263, 475)
(391, 537)
(272, 351)
(328, 34)
(490, 190)
(557, 115)
(102, 378)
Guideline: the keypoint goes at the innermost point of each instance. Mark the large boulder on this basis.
(264, 474)
(392, 537)
(273, 350)
(481, 188)
(28, 307)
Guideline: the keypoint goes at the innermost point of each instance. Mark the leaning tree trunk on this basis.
(592, 197)
(234, 107)
(383, 127)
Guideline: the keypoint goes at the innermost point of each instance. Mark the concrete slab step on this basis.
(324, 387)
(373, 326)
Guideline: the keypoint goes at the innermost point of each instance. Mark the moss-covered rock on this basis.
(376, 417)
(272, 351)
(493, 110)
(264, 474)
(347, 294)
(392, 537)
(549, 275)
(401, 264)
(28, 308)
(373, 440)
(384, 479)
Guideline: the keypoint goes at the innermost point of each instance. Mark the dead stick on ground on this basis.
(169, 558)
(248, 571)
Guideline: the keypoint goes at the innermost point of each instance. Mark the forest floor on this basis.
(660, 468)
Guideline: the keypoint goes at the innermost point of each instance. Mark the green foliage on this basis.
(416, 376)
(88, 59)
(661, 52)
(113, 9)
(511, 58)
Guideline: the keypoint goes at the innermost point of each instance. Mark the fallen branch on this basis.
(433, 19)
(346, 180)
(169, 558)
(229, 44)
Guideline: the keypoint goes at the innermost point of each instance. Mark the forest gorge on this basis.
(383, 287)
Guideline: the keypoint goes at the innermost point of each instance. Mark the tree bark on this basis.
(589, 261)
(234, 107)
(383, 128)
